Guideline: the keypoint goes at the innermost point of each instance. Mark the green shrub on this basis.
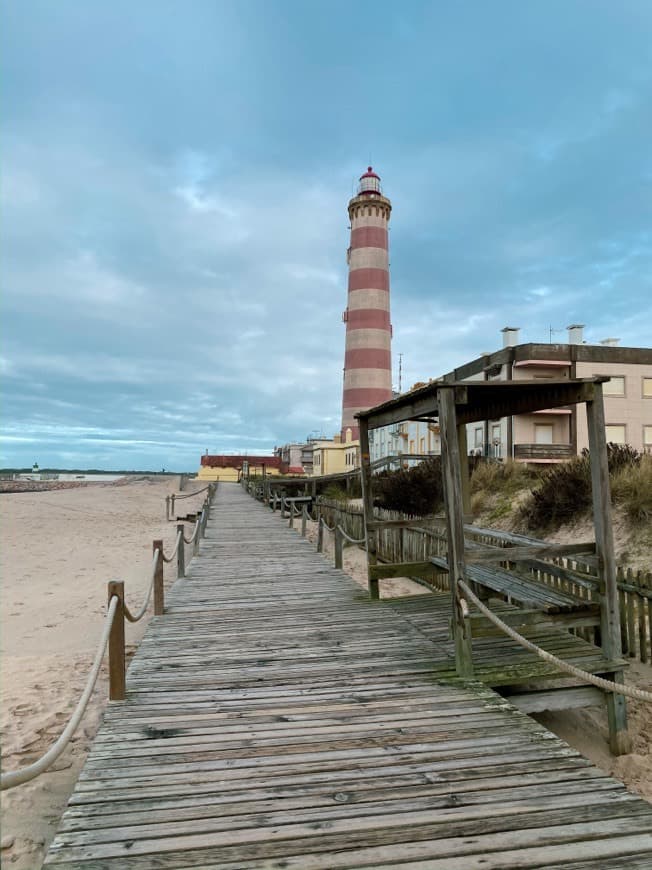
(490, 475)
(565, 489)
(416, 491)
(335, 492)
(631, 487)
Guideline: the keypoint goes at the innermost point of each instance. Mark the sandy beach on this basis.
(59, 549)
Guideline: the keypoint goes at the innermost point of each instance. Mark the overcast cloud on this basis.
(174, 189)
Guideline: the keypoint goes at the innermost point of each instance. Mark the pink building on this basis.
(367, 359)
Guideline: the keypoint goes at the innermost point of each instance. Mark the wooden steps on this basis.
(276, 717)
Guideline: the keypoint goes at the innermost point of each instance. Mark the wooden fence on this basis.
(575, 575)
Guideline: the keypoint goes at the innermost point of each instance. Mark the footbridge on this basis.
(276, 716)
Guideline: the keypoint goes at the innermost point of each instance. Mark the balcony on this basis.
(543, 452)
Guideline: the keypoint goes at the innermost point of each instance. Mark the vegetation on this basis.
(415, 491)
(564, 492)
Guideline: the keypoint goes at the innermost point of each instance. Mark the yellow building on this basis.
(229, 469)
(335, 456)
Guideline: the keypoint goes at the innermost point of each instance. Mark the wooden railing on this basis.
(543, 451)
(416, 540)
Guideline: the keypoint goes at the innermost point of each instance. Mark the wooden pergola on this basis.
(453, 405)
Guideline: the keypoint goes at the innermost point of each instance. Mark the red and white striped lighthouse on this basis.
(367, 358)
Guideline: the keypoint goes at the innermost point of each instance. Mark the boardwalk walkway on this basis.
(277, 718)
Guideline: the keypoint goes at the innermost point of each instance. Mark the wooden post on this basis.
(304, 519)
(181, 554)
(320, 535)
(339, 547)
(464, 472)
(452, 484)
(117, 681)
(199, 521)
(291, 522)
(371, 536)
(167, 507)
(608, 588)
(172, 497)
(159, 594)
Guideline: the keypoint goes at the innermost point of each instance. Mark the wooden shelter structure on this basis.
(452, 405)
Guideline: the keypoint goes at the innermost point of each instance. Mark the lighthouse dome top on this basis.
(369, 183)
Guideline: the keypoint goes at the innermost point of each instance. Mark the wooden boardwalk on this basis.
(277, 718)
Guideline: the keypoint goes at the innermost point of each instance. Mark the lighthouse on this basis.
(367, 356)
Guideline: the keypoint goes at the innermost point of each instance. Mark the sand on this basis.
(58, 551)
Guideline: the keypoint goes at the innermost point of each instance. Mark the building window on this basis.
(495, 433)
(411, 446)
(422, 445)
(615, 386)
(647, 439)
(615, 434)
(647, 388)
(478, 437)
(543, 433)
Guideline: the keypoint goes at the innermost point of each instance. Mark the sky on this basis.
(173, 205)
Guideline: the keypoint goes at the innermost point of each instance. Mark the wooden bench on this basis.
(529, 592)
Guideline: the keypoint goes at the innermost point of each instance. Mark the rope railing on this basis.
(571, 670)
(138, 616)
(348, 537)
(177, 544)
(25, 774)
(190, 494)
(113, 635)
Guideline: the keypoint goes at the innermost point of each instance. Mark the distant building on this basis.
(335, 456)
(555, 435)
(229, 469)
(293, 456)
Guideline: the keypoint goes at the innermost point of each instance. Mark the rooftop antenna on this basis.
(551, 329)
(400, 372)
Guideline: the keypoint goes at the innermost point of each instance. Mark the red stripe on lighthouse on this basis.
(369, 237)
(369, 279)
(367, 318)
(367, 358)
(365, 397)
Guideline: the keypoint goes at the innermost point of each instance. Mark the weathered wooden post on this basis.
(452, 484)
(339, 547)
(371, 535)
(117, 681)
(172, 511)
(204, 520)
(465, 479)
(198, 526)
(320, 535)
(167, 507)
(291, 523)
(159, 595)
(607, 577)
(181, 553)
(304, 519)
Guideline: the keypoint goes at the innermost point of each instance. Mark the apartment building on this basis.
(556, 435)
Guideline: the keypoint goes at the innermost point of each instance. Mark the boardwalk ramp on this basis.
(278, 718)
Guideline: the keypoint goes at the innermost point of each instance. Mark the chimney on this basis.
(576, 333)
(510, 336)
(610, 342)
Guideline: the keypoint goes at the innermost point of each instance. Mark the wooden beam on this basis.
(452, 485)
(610, 613)
(518, 554)
(368, 507)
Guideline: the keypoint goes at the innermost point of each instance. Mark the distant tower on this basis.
(367, 358)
